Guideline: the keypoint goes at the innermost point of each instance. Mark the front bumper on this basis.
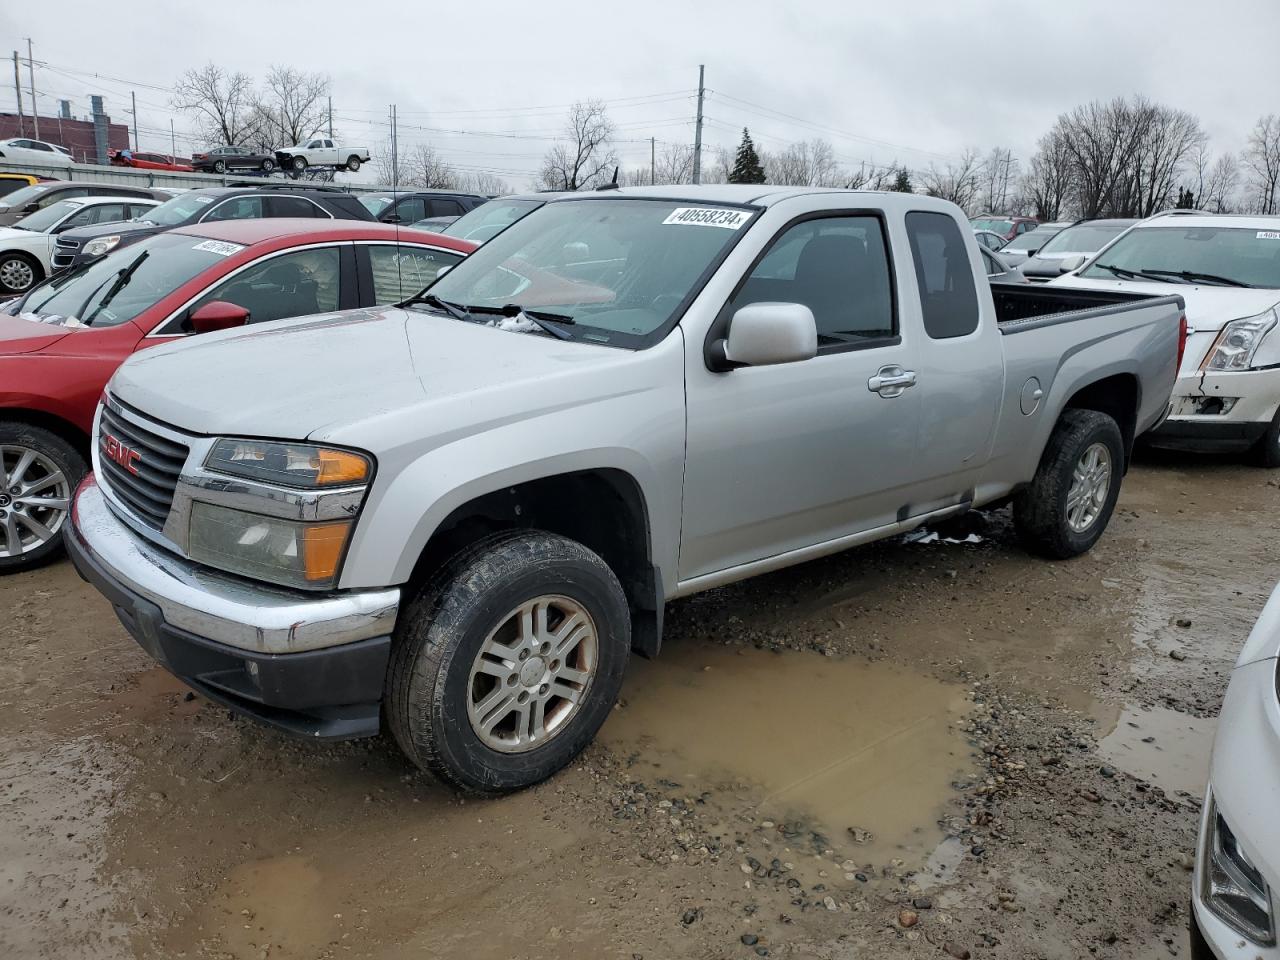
(311, 664)
(1253, 396)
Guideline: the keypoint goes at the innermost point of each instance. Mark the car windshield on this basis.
(179, 210)
(997, 226)
(489, 219)
(171, 259)
(618, 268)
(376, 204)
(1085, 238)
(43, 219)
(20, 198)
(1031, 240)
(1238, 255)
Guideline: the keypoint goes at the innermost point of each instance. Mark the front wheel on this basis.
(353, 164)
(508, 661)
(1069, 502)
(38, 473)
(19, 272)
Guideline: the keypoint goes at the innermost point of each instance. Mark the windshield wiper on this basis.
(431, 300)
(123, 278)
(1192, 276)
(1118, 271)
(541, 318)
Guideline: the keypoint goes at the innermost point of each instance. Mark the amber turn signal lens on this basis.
(338, 466)
(322, 545)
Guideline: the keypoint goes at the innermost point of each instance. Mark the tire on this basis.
(1266, 452)
(298, 163)
(432, 683)
(268, 165)
(19, 272)
(219, 166)
(1042, 511)
(31, 458)
(353, 164)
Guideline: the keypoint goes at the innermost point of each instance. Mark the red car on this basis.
(1007, 227)
(150, 161)
(60, 344)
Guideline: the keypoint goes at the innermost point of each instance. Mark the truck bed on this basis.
(1023, 306)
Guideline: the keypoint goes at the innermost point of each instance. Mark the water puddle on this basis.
(855, 748)
(1167, 748)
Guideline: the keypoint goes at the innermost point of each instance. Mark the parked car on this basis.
(462, 513)
(1018, 250)
(1083, 238)
(989, 239)
(1237, 870)
(322, 152)
(21, 150)
(61, 343)
(997, 270)
(149, 161)
(77, 247)
(26, 248)
(1227, 269)
(1007, 227)
(11, 182)
(223, 159)
(29, 199)
(412, 206)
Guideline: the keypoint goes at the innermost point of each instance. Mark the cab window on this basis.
(290, 285)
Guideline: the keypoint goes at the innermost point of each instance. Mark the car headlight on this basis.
(1232, 887)
(101, 245)
(1244, 344)
(291, 464)
(289, 552)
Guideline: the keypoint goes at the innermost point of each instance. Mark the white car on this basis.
(1025, 245)
(1227, 271)
(26, 248)
(1238, 854)
(22, 150)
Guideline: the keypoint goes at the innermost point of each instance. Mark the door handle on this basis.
(891, 381)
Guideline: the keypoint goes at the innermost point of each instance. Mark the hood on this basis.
(1209, 307)
(120, 227)
(13, 234)
(316, 376)
(19, 335)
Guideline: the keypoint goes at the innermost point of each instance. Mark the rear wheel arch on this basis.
(1119, 396)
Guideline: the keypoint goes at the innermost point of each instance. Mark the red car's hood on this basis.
(19, 335)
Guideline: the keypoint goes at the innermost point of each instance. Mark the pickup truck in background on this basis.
(321, 152)
(462, 514)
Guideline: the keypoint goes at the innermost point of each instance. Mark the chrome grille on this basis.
(64, 252)
(66, 243)
(139, 466)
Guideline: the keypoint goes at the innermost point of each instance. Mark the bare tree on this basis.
(1218, 195)
(1049, 184)
(808, 163)
(720, 166)
(1262, 160)
(220, 103)
(959, 181)
(588, 157)
(484, 183)
(997, 175)
(1171, 140)
(290, 107)
(423, 167)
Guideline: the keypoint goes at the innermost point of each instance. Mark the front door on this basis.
(784, 457)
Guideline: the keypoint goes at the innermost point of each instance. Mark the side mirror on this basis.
(31, 207)
(1072, 263)
(764, 334)
(392, 218)
(218, 315)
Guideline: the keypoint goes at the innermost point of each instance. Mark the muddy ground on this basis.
(910, 750)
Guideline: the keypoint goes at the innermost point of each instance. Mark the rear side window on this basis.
(399, 272)
(292, 207)
(948, 296)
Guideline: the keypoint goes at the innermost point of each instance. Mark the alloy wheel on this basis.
(1090, 484)
(35, 497)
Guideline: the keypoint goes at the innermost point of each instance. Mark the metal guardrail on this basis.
(131, 176)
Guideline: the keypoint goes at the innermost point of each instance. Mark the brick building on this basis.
(76, 135)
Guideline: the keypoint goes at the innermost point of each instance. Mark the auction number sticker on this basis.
(708, 217)
(220, 247)
(203, 200)
(1268, 235)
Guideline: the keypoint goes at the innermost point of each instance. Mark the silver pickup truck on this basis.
(459, 516)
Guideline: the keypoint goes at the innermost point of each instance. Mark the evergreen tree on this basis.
(902, 182)
(1186, 199)
(746, 165)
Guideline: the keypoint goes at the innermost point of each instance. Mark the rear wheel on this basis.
(299, 164)
(1266, 452)
(268, 165)
(1069, 502)
(219, 166)
(508, 662)
(19, 272)
(353, 164)
(38, 473)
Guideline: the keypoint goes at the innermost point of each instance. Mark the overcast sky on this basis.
(915, 81)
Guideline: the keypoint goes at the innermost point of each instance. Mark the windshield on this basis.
(42, 220)
(1085, 238)
(618, 268)
(1031, 240)
(998, 226)
(20, 198)
(1240, 254)
(171, 259)
(179, 210)
(489, 219)
(376, 205)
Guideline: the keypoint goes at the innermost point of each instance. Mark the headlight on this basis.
(1237, 347)
(1232, 887)
(288, 552)
(96, 248)
(290, 464)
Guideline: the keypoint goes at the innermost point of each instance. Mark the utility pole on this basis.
(173, 141)
(653, 164)
(17, 88)
(697, 130)
(134, 97)
(331, 118)
(31, 74)
(395, 156)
